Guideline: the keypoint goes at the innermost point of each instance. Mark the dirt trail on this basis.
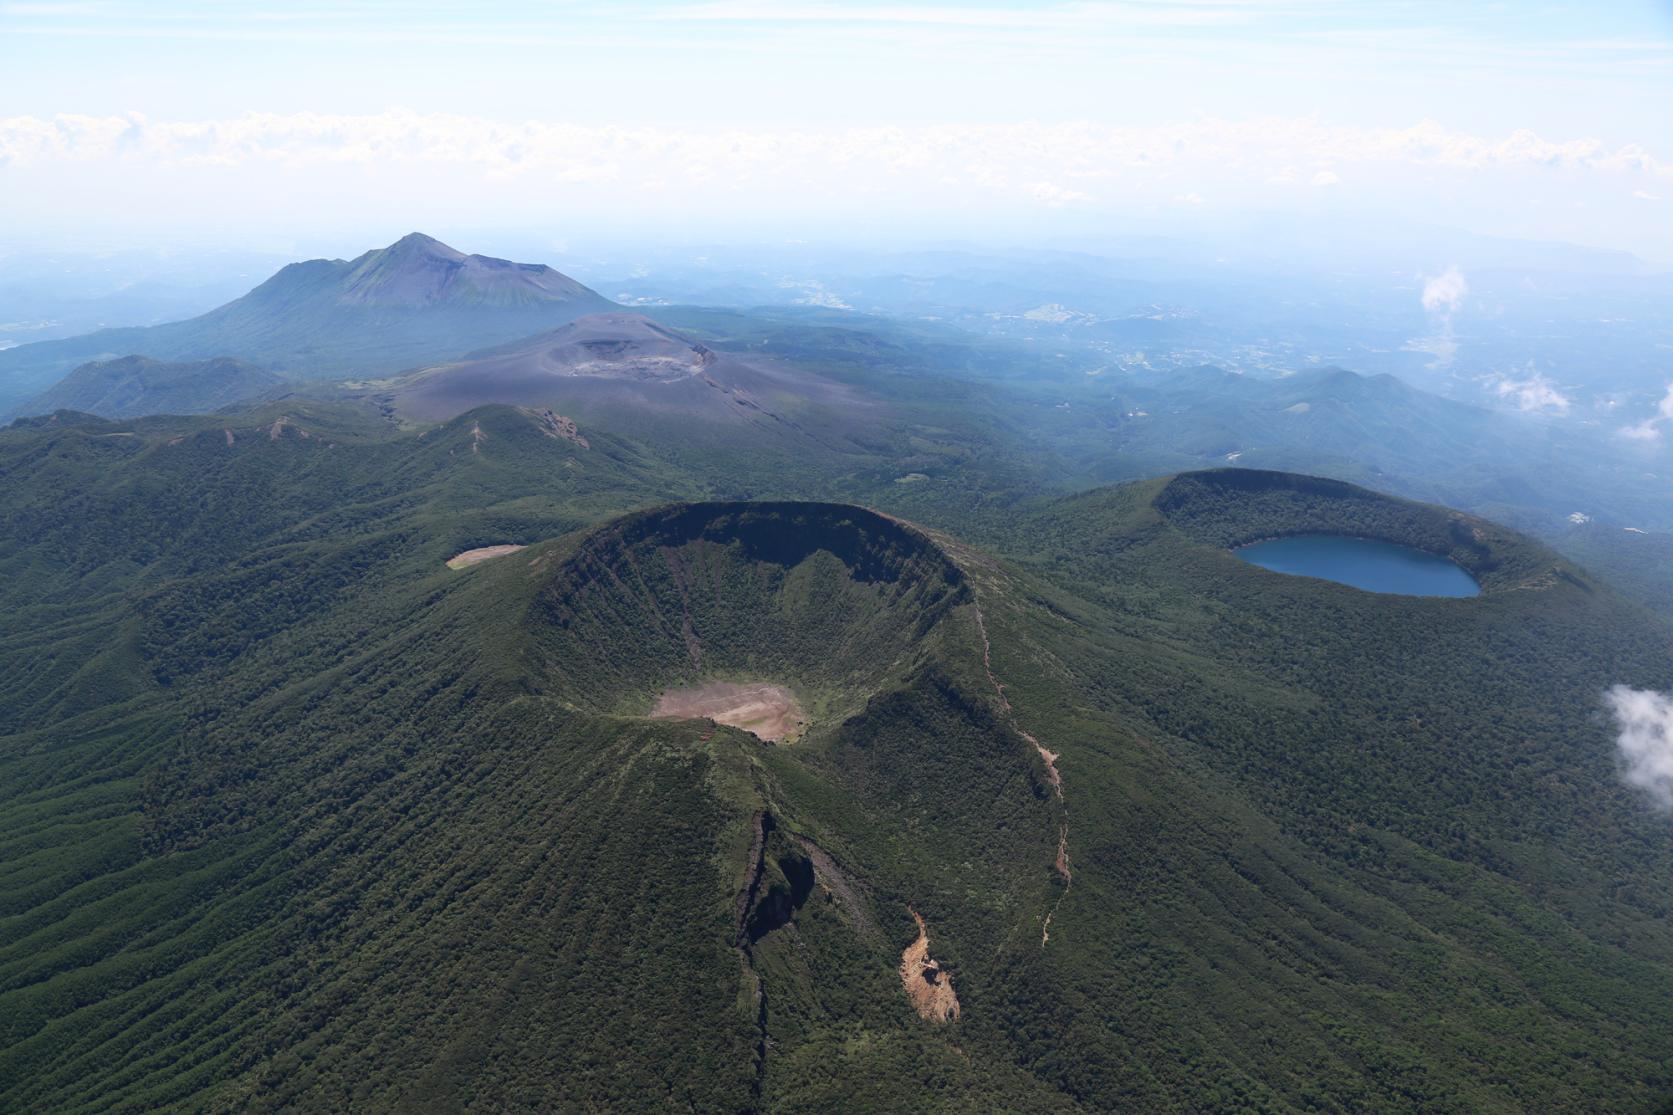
(929, 988)
(1049, 757)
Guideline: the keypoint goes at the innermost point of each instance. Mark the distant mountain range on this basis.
(425, 333)
(415, 302)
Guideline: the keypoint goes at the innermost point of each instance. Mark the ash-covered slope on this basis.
(415, 301)
(634, 374)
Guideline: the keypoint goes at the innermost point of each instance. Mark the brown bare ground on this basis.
(483, 553)
(769, 711)
(929, 988)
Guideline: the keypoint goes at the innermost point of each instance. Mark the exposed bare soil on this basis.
(769, 711)
(483, 553)
(929, 988)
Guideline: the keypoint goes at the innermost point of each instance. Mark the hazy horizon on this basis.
(292, 129)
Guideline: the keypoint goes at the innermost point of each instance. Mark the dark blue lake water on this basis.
(1362, 563)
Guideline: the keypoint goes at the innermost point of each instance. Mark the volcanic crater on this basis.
(774, 618)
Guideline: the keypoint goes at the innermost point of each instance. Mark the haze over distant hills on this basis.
(414, 302)
(625, 367)
(130, 386)
(425, 332)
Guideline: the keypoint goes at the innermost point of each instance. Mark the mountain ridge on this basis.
(131, 386)
(415, 301)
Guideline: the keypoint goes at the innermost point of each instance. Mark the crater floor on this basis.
(769, 711)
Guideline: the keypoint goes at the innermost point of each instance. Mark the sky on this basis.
(272, 124)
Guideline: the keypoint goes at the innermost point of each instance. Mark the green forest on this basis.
(295, 817)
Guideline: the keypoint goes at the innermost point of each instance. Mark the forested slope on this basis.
(293, 816)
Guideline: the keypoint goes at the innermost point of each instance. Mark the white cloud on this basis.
(824, 299)
(1645, 195)
(1442, 347)
(423, 169)
(1056, 151)
(1054, 195)
(1444, 293)
(1645, 722)
(1535, 393)
(1650, 428)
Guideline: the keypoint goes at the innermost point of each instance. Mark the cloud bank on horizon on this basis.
(1091, 169)
(945, 115)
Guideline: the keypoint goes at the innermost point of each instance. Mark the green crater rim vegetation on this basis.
(1230, 509)
(808, 608)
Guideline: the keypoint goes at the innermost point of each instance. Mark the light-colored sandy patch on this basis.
(929, 988)
(769, 711)
(483, 553)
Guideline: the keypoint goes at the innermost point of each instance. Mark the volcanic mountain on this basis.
(414, 302)
(134, 385)
(622, 367)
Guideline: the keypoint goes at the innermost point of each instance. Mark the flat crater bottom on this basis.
(763, 709)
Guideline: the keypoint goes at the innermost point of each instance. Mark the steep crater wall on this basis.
(828, 599)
